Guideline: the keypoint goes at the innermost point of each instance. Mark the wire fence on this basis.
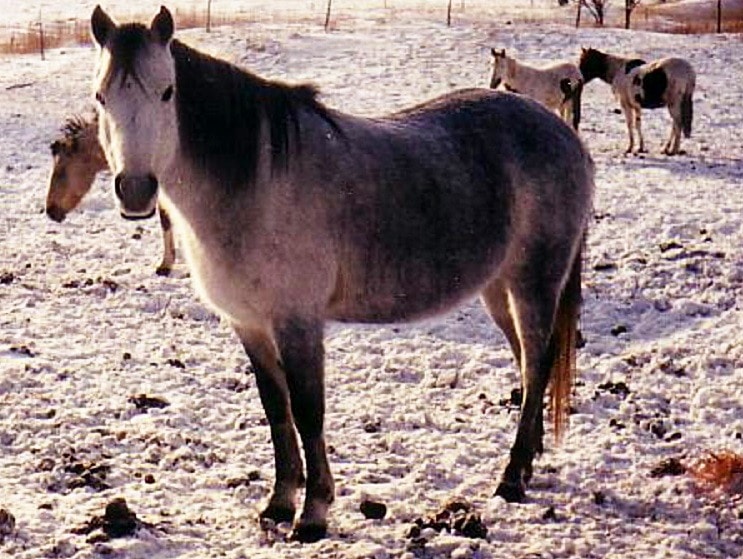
(51, 29)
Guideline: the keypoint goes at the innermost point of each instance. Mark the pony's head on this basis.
(592, 64)
(134, 87)
(77, 158)
(500, 67)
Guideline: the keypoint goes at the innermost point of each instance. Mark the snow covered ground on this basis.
(417, 414)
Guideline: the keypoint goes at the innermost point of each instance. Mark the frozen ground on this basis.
(417, 414)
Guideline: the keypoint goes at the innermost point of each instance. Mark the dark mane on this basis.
(632, 64)
(221, 109)
(126, 44)
(75, 124)
(72, 130)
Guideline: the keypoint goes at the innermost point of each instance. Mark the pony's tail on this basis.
(687, 113)
(572, 91)
(577, 94)
(565, 334)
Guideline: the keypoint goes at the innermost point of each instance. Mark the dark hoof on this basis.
(308, 533)
(163, 271)
(512, 493)
(278, 514)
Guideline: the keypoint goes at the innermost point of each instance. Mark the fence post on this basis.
(41, 38)
(448, 15)
(327, 15)
(208, 16)
(719, 16)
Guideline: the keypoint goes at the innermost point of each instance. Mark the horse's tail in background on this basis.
(565, 335)
(572, 91)
(687, 113)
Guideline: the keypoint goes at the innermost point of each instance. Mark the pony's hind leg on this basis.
(495, 299)
(533, 298)
(302, 354)
(638, 127)
(166, 265)
(673, 143)
(274, 393)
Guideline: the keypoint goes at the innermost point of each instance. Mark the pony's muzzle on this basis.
(55, 213)
(137, 195)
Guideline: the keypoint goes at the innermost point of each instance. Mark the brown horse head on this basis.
(78, 157)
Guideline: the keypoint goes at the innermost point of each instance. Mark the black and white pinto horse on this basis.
(667, 82)
(292, 214)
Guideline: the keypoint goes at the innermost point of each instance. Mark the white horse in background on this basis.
(558, 87)
(667, 82)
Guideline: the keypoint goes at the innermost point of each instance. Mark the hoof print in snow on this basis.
(618, 330)
(373, 510)
(670, 245)
(617, 388)
(22, 350)
(75, 474)
(549, 514)
(6, 278)
(599, 498)
(456, 517)
(7, 524)
(143, 402)
(604, 266)
(118, 521)
(668, 467)
(372, 426)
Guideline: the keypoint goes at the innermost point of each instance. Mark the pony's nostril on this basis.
(55, 213)
(117, 186)
(152, 180)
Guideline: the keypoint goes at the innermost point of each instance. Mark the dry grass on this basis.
(676, 19)
(720, 469)
(666, 18)
(54, 36)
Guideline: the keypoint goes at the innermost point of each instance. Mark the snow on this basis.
(86, 325)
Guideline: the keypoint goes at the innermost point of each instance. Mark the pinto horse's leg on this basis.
(166, 266)
(638, 127)
(628, 118)
(533, 301)
(274, 394)
(302, 355)
(671, 146)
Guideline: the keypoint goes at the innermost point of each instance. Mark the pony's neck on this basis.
(514, 73)
(614, 65)
(92, 146)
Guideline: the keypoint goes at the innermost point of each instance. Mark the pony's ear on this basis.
(162, 26)
(492, 51)
(101, 25)
(56, 147)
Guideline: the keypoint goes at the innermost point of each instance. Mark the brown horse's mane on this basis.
(72, 131)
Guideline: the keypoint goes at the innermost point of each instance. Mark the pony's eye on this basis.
(167, 94)
(100, 99)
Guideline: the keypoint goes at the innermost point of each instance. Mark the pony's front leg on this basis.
(302, 355)
(166, 266)
(274, 394)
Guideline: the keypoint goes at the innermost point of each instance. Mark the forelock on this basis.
(127, 43)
